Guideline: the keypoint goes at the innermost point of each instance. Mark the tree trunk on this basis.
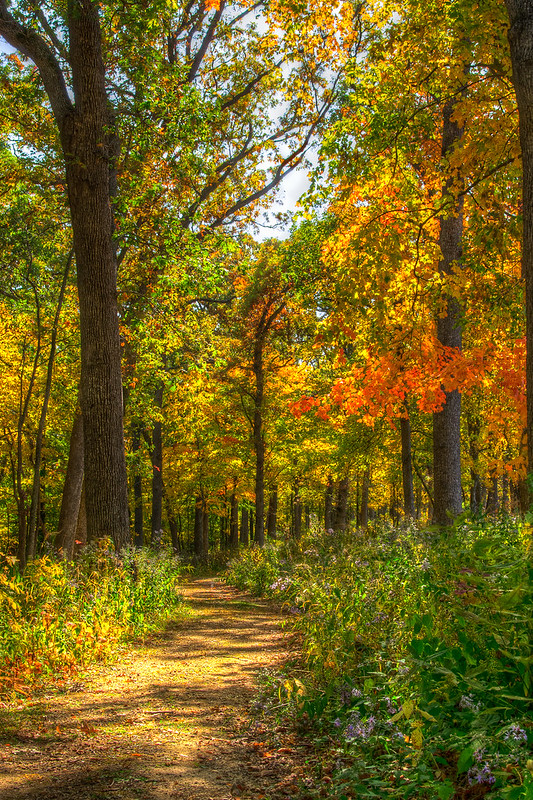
(521, 45)
(138, 511)
(341, 509)
(89, 145)
(328, 505)
(272, 517)
(407, 468)
(447, 493)
(259, 442)
(234, 522)
(72, 489)
(245, 529)
(205, 534)
(364, 499)
(36, 488)
(157, 473)
(199, 527)
(297, 512)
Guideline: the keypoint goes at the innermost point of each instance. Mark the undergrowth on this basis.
(59, 616)
(418, 664)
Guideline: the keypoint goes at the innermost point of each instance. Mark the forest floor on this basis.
(169, 719)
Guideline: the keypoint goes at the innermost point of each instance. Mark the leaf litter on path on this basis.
(169, 721)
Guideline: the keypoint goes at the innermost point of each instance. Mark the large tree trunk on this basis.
(157, 473)
(407, 468)
(89, 146)
(521, 44)
(72, 489)
(447, 497)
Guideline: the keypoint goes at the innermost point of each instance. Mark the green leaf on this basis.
(465, 759)
(445, 790)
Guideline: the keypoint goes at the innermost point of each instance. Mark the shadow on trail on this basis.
(162, 736)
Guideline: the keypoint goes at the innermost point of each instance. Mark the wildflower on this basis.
(467, 703)
(515, 733)
(337, 723)
(425, 565)
(480, 773)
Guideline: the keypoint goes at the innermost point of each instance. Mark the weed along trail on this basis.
(168, 720)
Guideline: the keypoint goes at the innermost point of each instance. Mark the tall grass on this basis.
(417, 648)
(58, 616)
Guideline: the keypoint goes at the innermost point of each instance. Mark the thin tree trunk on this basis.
(272, 517)
(205, 533)
(245, 529)
(259, 442)
(72, 490)
(157, 473)
(328, 505)
(234, 521)
(447, 499)
(138, 510)
(297, 512)
(199, 527)
(407, 468)
(36, 488)
(364, 498)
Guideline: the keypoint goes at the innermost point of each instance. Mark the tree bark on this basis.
(447, 497)
(245, 528)
(36, 488)
(272, 516)
(521, 45)
(297, 512)
(341, 509)
(199, 527)
(364, 499)
(89, 146)
(234, 521)
(157, 473)
(407, 468)
(138, 511)
(72, 489)
(328, 505)
(259, 441)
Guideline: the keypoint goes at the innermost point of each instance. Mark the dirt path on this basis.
(168, 721)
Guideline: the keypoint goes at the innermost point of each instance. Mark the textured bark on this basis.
(259, 442)
(341, 509)
(407, 468)
(36, 488)
(72, 490)
(205, 534)
(199, 527)
(234, 522)
(447, 492)
(157, 473)
(297, 512)
(245, 528)
(521, 45)
(89, 146)
(328, 505)
(364, 499)
(272, 517)
(138, 511)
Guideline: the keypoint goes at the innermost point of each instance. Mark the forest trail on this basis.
(169, 720)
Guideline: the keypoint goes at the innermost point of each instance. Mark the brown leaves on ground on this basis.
(168, 720)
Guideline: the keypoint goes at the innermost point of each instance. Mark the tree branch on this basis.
(28, 42)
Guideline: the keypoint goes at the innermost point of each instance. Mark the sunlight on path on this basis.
(168, 721)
